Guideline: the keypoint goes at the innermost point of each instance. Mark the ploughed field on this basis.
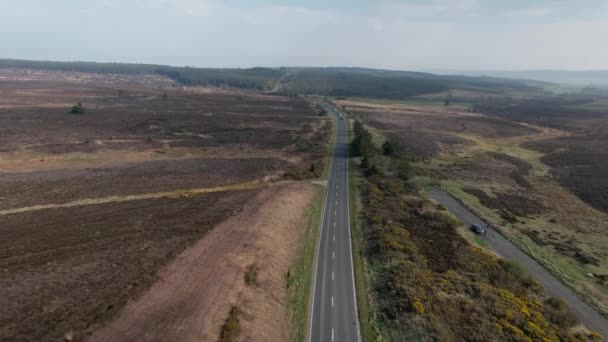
(537, 174)
(93, 205)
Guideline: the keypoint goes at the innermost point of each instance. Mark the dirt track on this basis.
(196, 291)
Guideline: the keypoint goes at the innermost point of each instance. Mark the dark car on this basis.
(477, 229)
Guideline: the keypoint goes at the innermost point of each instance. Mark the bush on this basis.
(558, 312)
(518, 271)
(508, 216)
(78, 109)
(387, 148)
(251, 275)
(231, 328)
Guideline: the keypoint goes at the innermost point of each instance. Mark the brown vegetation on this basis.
(70, 269)
(73, 269)
(429, 282)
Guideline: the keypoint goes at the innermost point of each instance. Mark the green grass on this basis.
(593, 106)
(359, 266)
(417, 102)
(299, 278)
(330, 147)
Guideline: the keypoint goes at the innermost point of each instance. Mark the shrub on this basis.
(517, 270)
(165, 148)
(231, 328)
(78, 109)
(387, 148)
(508, 216)
(558, 312)
(251, 275)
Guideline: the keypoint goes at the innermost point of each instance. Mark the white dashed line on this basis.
(332, 301)
(332, 275)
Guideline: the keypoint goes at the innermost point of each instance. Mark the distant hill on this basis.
(335, 81)
(587, 77)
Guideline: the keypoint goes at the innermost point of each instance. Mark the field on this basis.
(426, 280)
(540, 179)
(93, 206)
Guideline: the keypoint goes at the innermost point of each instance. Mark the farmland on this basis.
(94, 205)
(536, 178)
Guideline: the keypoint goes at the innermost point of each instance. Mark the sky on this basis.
(388, 34)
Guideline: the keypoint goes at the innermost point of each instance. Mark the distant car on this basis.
(477, 229)
(341, 118)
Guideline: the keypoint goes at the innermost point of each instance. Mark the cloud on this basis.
(385, 34)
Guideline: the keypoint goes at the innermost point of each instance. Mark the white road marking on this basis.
(332, 275)
(334, 238)
(332, 301)
(332, 334)
(333, 255)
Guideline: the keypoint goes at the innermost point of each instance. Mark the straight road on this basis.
(334, 308)
(555, 288)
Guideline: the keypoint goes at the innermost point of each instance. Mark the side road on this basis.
(555, 288)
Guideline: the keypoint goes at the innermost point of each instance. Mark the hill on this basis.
(348, 82)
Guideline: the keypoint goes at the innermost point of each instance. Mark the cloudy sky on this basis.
(406, 34)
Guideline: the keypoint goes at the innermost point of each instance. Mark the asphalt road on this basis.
(554, 287)
(334, 306)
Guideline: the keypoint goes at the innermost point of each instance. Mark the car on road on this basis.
(477, 229)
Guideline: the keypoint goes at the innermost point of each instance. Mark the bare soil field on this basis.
(95, 205)
(542, 186)
(197, 290)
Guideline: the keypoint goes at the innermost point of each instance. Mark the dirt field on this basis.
(93, 206)
(196, 291)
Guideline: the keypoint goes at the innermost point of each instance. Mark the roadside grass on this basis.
(360, 268)
(330, 147)
(464, 105)
(299, 277)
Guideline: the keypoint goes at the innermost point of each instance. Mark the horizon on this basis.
(439, 71)
(410, 35)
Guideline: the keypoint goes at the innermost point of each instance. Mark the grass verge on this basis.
(360, 270)
(330, 147)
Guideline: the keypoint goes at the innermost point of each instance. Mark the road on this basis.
(334, 305)
(555, 288)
